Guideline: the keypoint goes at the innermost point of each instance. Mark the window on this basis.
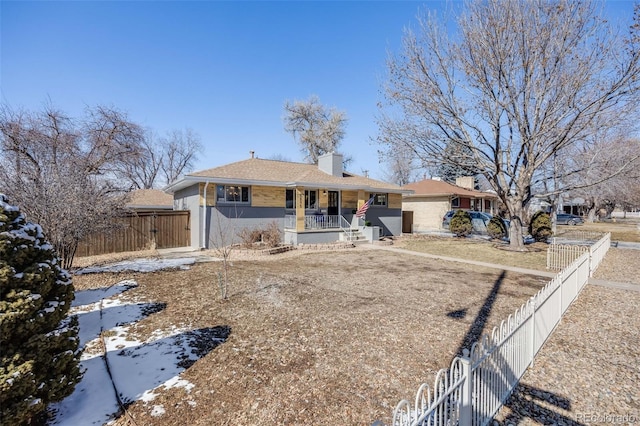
(379, 199)
(232, 194)
(290, 199)
(455, 203)
(310, 199)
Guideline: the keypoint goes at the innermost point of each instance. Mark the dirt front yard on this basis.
(336, 337)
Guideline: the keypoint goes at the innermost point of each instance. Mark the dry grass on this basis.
(319, 338)
(621, 229)
(102, 259)
(478, 249)
(621, 265)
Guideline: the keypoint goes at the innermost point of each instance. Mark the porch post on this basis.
(361, 198)
(300, 209)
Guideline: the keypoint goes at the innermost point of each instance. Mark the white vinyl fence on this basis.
(474, 387)
(559, 256)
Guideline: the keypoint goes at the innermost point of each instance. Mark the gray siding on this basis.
(325, 237)
(189, 199)
(225, 222)
(389, 220)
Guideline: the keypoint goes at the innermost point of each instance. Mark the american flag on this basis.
(363, 209)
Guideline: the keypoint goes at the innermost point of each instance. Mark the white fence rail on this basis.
(559, 256)
(476, 385)
(576, 235)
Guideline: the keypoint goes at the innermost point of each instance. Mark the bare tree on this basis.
(280, 157)
(619, 158)
(60, 171)
(142, 171)
(519, 83)
(180, 149)
(401, 165)
(315, 128)
(224, 235)
(162, 159)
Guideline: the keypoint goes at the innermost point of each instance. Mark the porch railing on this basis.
(348, 229)
(317, 222)
(290, 221)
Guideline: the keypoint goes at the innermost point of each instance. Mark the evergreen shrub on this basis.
(496, 228)
(461, 224)
(39, 358)
(540, 226)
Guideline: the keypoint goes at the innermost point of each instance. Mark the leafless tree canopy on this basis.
(162, 159)
(60, 171)
(71, 176)
(520, 82)
(402, 166)
(607, 174)
(317, 130)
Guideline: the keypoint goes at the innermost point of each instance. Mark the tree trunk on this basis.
(516, 211)
(592, 205)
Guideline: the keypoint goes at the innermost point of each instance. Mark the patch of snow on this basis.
(87, 297)
(140, 265)
(157, 411)
(140, 370)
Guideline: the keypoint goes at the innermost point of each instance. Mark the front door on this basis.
(334, 203)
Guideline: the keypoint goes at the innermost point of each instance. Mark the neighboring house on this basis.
(149, 200)
(424, 209)
(309, 203)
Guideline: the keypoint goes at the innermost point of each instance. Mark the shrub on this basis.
(250, 236)
(38, 342)
(540, 226)
(271, 235)
(496, 228)
(461, 224)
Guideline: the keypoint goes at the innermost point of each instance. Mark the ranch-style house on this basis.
(309, 203)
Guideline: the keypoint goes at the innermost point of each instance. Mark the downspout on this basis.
(204, 218)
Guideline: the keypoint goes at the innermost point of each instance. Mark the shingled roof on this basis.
(150, 199)
(257, 171)
(439, 188)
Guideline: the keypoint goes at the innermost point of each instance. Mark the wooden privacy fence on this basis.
(141, 231)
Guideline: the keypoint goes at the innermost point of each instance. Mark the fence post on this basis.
(533, 331)
(560, 288)
(466, 411)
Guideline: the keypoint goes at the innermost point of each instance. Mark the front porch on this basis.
(323, 228)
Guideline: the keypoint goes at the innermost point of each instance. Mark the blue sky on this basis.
(223, 69)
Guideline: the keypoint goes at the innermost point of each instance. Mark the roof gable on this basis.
(149, 198)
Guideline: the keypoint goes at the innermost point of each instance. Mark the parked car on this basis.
(475, 216)
(568, 219)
